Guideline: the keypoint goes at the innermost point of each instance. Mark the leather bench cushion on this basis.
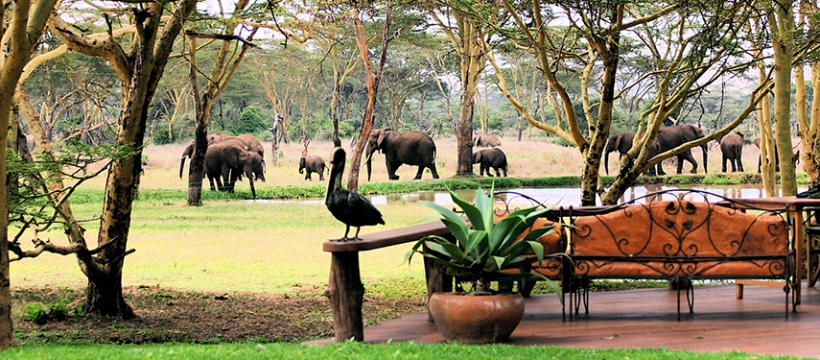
(618, 268)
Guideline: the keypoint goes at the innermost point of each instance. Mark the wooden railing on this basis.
(345, 289)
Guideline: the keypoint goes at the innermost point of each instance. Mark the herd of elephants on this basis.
(229, 158)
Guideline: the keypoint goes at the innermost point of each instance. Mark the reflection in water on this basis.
(549, 196)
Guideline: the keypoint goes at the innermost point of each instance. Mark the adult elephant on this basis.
(491, 158)
(411, 148)
(622, 143)
(671, 137)
(731, 146)
(486, 141)
(312, 164)
(189, 149)
(227, 161)
(253, 144)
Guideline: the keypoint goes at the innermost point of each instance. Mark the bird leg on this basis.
(345, 238)
(356, 237)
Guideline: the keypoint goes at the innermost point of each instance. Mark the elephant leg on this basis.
(759, 163)
(391, 170)
(687, 155)
(211, 181)
(725, 159)
(739, 163)
(432, 167)
(321, 175)
(497, 173)
(419, 173)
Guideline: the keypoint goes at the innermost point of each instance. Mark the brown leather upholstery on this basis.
(679, 237)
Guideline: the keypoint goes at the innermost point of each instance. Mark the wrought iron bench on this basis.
(678, 235)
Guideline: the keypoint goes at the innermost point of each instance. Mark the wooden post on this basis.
(437, 281)
(346, 294)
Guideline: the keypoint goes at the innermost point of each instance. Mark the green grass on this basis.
(352, 350)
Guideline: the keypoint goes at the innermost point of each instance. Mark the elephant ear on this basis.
(616, 142)
(380, 139)
(476, 157)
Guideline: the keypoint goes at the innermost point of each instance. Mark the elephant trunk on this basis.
(301, 170)
(705, 150)
(369, 159)
(606, 161)
(181, 165)
(253, 189)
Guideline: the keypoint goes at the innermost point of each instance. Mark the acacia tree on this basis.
(225, 63)
(683, 64)
(139, 62)
(373, 82)
(464, 25)
(22, 27)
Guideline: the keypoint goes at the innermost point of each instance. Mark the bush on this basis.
(250, 122)
(36, 313)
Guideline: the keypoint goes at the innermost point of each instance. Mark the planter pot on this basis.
(476, 319)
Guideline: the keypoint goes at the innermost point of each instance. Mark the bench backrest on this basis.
(679, 228)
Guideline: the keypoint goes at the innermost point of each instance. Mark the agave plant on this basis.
(480, 248)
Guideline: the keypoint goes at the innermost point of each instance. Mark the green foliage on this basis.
(36, 313)
(249, 122)
(161, 137)
(28, 199)
(481, 248)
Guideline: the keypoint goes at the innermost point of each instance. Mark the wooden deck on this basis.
(648, 319)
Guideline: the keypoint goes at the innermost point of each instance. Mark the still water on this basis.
(563, 196)
(572, 196)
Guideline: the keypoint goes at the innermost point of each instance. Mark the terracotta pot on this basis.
(476, 319)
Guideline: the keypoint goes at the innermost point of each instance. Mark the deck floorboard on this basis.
(647, 318)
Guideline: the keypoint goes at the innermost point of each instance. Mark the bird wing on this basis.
(366, 213)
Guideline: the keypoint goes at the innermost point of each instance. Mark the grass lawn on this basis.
(353, 351)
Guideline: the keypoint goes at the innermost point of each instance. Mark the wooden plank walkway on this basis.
(648, 319)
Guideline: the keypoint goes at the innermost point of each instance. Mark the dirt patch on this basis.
(165, 315)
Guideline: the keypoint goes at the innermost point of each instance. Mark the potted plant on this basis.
(483, 249)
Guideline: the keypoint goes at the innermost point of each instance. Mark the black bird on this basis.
(349, 207)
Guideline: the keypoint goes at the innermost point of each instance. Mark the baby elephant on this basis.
(491, 158)
(313, 164)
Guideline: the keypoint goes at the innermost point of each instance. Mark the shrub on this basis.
(36, 313)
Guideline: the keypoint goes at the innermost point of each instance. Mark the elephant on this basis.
(227, 161)
(312, 164)
(486, 141)
(253, 144)
(189, 149)
(731, 145)
(622, 143)
(776, 157)
(491, 158)
(673, 136)
(411, 148)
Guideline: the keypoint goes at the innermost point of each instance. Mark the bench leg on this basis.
(346, 294)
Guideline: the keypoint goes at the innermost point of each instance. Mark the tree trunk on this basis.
(464, 135)
(782, 23)
(196, 171)
(103, 295)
